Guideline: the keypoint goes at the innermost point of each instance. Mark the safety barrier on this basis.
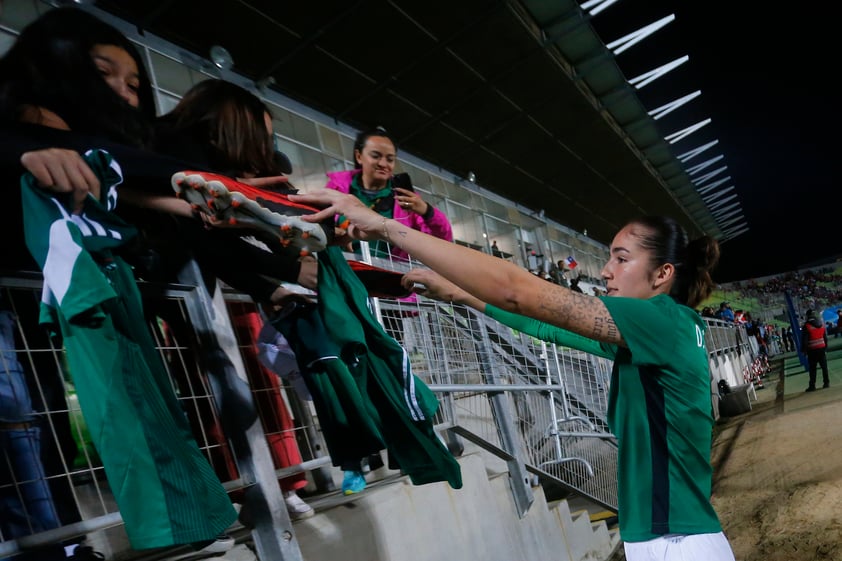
(539, 408)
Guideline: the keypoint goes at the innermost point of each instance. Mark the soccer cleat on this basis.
(242, 205)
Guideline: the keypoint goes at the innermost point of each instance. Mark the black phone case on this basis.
(402, 181)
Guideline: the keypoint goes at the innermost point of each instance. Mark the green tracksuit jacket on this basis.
(364, 391)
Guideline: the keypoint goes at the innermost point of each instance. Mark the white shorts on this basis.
(681, 547)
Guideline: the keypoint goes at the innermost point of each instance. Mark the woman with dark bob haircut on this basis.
(50, 66)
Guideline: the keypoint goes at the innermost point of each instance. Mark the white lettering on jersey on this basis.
(88, 226)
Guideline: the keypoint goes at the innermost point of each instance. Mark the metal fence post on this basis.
(264, 509)
(519, 479)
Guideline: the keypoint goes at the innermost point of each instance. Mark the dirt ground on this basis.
(778, 472)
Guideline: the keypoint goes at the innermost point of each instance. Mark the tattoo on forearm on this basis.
(554, 304)
(604, 328)
(598, 326)
(613, 332)
(582, 314)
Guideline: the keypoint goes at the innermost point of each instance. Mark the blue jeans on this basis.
(15, 403)
(25, 498)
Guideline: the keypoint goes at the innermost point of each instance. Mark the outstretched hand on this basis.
(432, 285)
(362, 222)
(62, 171)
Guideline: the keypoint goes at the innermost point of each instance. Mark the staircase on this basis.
(393, 520)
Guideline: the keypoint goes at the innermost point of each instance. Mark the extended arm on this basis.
(497, 282)
(438, 288)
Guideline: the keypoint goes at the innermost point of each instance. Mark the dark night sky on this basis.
(767, 78)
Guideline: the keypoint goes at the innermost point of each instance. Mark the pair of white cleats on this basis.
(210, 196)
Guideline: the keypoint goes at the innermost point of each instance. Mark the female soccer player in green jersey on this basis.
(659, 403)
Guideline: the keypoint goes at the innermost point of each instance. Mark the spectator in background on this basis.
(789, 341)
(574, 285)
(558, 274)
(756, 328)
(495, 251)
(725, 312)
(814, 345)
(375, 156)
(531, 260)
(554, 274)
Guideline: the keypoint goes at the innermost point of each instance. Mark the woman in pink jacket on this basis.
(371, 181)
(375, 155)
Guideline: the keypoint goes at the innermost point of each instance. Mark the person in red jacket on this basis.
(814, 345)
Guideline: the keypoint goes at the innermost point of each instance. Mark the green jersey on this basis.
(659, 408)
(164, 486)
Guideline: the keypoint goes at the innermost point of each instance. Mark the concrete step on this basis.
(393, 520)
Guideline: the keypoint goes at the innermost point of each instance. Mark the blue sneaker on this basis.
(354, 482)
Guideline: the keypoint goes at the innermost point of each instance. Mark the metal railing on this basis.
(539, 408)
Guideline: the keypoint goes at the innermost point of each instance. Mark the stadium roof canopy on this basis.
(523, 94)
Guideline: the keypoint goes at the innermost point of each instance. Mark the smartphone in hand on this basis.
(402, 181)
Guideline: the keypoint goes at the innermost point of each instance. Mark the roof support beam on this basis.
(711, 198)
(639, 82)
(723, 201)
(734, 233)
(600, 5)
(721, 211)
(696, 151)
(704, 178)
(724, 217)
(713, 185)
(627, 41)
(659, 112)
(737, 220)
(699, 167)
(679, 135)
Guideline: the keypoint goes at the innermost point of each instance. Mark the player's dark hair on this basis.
(693, 259)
